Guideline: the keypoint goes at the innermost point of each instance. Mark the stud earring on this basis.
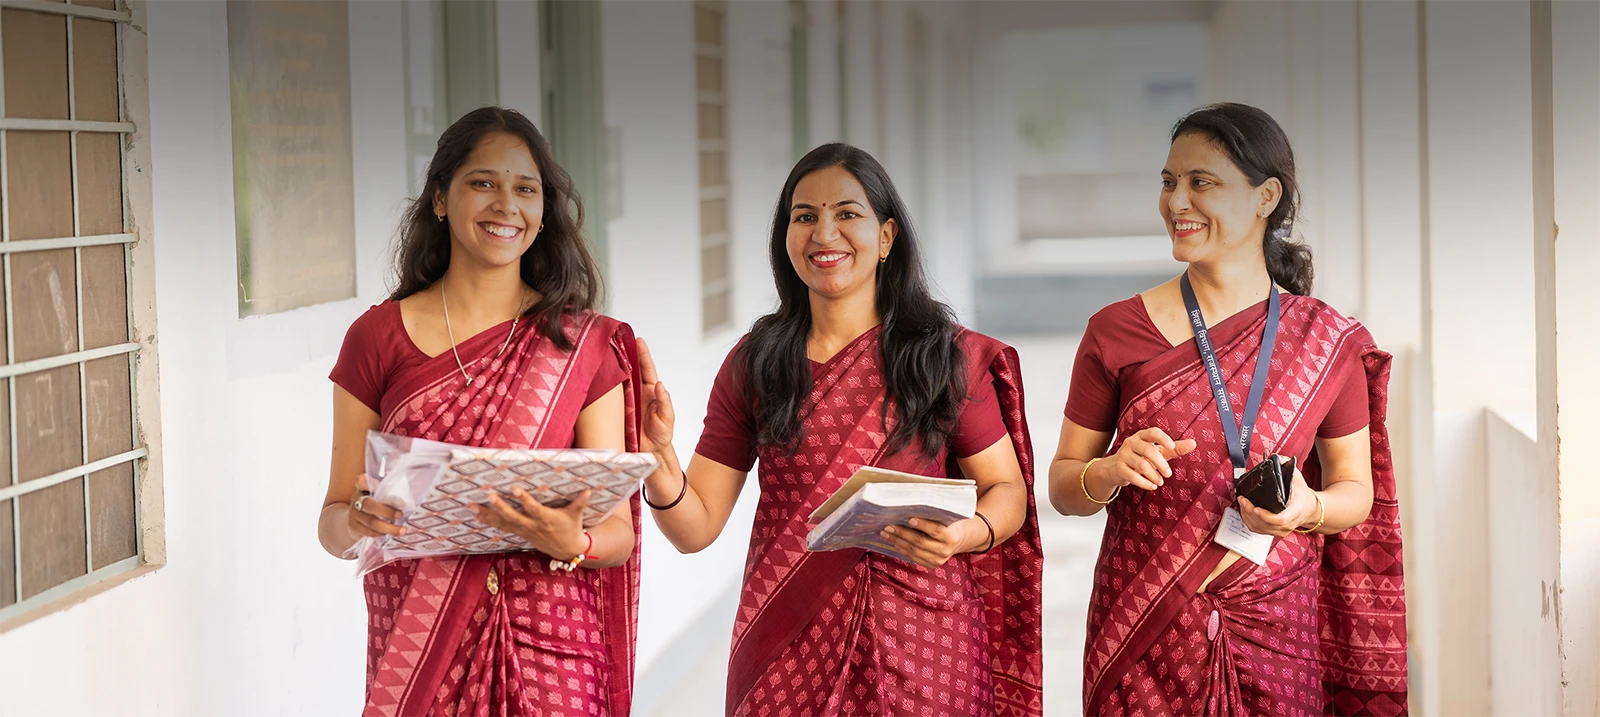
(440, 217)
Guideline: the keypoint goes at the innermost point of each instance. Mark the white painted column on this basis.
(1479, 221)
(1394, 286)
(760, 146)
(1576, 45)
(862, 55)
(517, 47)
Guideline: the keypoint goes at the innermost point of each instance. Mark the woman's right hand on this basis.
(1142, 460)
(656, 423)
(373, 518)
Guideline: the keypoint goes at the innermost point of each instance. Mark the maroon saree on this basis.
(1321, 628)
(501, 634)
(851, 632)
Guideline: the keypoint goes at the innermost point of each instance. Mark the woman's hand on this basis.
(1141, 461)
(373, 519)
(657, 422)
(556, 532)
(927, 543)
(1302, 510)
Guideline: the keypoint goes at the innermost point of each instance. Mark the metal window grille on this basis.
(71, 458)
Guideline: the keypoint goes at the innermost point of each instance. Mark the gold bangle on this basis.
(1322, 514)
(1083, 483)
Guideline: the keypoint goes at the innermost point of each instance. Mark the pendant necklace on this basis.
(452, 334)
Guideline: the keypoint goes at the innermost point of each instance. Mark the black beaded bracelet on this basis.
(675, 501)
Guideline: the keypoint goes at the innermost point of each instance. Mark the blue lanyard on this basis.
(1238, 434)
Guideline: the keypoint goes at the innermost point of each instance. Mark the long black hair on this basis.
(922, 363)
(558, 264)
(1260, 149)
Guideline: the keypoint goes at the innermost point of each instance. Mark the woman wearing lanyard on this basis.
(1199, 379)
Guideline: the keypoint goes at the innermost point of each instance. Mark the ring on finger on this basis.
(361, 499)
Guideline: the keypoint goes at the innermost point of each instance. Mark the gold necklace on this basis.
(452, 333)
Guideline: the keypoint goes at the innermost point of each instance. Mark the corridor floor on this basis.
(1070, 545)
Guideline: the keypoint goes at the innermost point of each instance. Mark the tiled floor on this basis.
(1070, 545)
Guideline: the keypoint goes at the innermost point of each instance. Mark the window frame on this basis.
(139, 277)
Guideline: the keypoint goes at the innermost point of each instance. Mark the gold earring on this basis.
(440, 216)
(882, 259)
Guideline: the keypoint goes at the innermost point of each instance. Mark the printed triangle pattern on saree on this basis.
(1157, 546)
(422, 611)
(786, 587)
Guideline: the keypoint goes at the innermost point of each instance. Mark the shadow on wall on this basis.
(1028, 305)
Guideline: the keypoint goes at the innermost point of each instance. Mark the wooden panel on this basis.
(40, 183)
(714, 263)
(709, 119)
(110, 411)
(707, 25)
(99, 183)
(54, 542)
(715, 311)
(35, 64)
(102, 4)
(713, 171)
(105, 295)
(112, 526)
(5, 433)
(713, 216)
(49, 423)
(708, 74)
(45, 295)
(8, 557)
(94, 70)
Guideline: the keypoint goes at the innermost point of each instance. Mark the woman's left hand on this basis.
(556, 532)
(926, 543)
(1301, 511)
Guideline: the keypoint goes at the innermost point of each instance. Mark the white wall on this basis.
(1394, 285)
(1300, 63)
(250, 616)
(654, 283)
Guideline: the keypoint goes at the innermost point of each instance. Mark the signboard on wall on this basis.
(289, 76)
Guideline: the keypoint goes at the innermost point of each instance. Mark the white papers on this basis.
(875, 498)
(432, 484)
(1234, 535)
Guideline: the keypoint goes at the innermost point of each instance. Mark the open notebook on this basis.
(875, 498)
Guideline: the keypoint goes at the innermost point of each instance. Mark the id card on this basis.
(1234, 535)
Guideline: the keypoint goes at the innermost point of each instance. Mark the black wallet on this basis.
(1267, 485)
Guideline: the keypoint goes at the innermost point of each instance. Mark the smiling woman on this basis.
(1314, 622)
(493, 306)
(861, 365)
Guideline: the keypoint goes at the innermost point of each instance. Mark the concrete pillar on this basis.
(1576, 152)
(1480, 270)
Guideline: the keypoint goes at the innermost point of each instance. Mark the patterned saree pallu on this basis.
(433, 484)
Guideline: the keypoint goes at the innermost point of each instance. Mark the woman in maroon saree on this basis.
(493, 238)
(860, 366)
(1179, 624)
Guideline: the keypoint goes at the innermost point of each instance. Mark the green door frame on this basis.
(573, 104)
